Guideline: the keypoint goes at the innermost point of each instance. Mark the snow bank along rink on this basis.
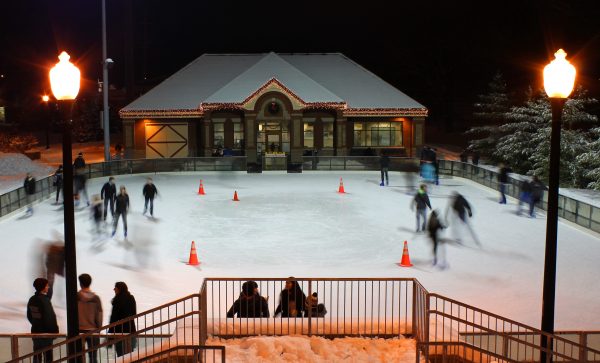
(14, 167)
(298, 225)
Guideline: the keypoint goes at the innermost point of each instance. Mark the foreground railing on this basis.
(167, 326)
(350, 307)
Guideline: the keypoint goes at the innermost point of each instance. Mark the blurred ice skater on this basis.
(433, 228)
(96, 214)
(29, 185)
(421, 202)
(149, 192)
(460, 209)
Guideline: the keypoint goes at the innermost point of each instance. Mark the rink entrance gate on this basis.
(445, 330)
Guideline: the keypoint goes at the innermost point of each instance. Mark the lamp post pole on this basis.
(46, 99)
(549, 292)
(559, 78)
(65, 80)
(105, 118)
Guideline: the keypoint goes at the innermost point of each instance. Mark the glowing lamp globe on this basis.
(64, 79)
(559, 76)
(45, 98)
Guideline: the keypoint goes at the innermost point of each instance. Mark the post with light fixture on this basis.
(559, 78)
(65, 80)
(45, 99)
(106, 62)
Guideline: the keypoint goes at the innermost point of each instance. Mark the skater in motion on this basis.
(79, 178)
(537, 193)
(503, 171)
(121, 209)
(149, 192)
(461, 209)
(524, 195)
(108, 194)
(421, 201)
(29, 185)
(384, 163)
(58, 181)
(250, 304)
(96, 214)
(433, 228)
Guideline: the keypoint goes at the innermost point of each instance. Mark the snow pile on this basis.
(316, 349)
(14, 167)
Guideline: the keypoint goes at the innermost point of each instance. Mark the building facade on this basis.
(268, 104)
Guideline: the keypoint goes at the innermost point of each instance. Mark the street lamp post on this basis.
(45, 99)
(64, 80)
(106, 62)
(559, 78)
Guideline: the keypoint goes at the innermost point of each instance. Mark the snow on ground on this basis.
(297, 225)
(316, 349)
(14, 167)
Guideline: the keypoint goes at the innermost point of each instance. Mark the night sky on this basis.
(442, 53)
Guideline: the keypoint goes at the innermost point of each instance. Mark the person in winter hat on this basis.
(123, 306)
(313, 307)
(149, 192)
(291, 300)
(90, 314)
(40, 314)
(421, 202)
(250, 304)
(121, 209)
(109, 194)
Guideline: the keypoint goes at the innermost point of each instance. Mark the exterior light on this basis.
(559, 76)
(45, 98)
(65, 79)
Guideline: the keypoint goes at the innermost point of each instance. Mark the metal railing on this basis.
(162, 328)
(571, 209)
(188, 353)
(375, 307)
(453, 321)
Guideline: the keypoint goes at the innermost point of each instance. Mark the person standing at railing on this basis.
(123, 306)
(503, 171)
(149, 193)
(537, 193)
(524, 195)
(29, 185)
(121, 209)
(250, 304)
(421, 202)
(108, 194)
(384, 164)
(90, 315)
(292, 301)
(58, 181)
(40, 314)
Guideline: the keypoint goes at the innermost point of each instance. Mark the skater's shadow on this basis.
(24, 216)
(408, 230)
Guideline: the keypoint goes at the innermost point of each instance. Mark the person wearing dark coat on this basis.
(384, 164)
(462, 208)
(40, 314)
(537, 193)
(121, 209)
(250, 304)
(79, 177)
(292, 301)
(149, 192)
(524, 195)
(475, 158)
(503, 181)
(29, 185)
(58, 181)
(109, 194)
(421, 201)
(434, 225)
(123, 306)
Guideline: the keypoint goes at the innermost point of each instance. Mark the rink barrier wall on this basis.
(570, 209)
(444, 329)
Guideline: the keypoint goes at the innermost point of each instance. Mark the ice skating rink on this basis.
(298, 225)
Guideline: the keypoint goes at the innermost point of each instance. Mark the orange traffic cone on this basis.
(341, 188)
(193, 256)
(405, 257)
(201, 189)
(235, 197)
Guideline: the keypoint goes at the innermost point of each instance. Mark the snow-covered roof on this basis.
(311, 78)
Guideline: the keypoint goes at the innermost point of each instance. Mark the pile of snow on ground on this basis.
(316, 349)
(14, 167)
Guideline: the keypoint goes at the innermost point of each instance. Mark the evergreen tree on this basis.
(489, 112)
(86, 123)
(589, 161)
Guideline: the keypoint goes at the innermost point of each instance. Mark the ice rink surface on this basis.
(298, 225)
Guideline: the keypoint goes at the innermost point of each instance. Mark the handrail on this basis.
(195, 348)
(445, 353)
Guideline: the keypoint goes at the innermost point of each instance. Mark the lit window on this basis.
(328, 134)
(309, 141)
(219, 134)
